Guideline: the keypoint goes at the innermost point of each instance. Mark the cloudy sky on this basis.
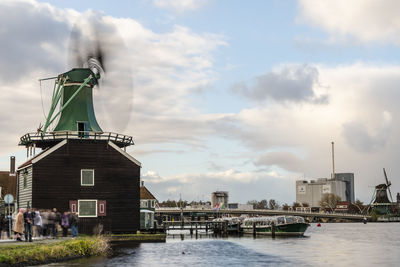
(223, 95)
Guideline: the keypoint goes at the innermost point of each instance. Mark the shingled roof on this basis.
(145, 193)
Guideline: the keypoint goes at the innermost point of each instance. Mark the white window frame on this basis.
(87, 216)
(82, 170)
(104, 208)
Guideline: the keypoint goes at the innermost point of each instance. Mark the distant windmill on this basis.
(380, 199)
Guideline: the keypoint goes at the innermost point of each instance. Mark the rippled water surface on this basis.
(341, 244)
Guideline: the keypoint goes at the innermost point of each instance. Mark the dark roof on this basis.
(145, 193)
(8, 183)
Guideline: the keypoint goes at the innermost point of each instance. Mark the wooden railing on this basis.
(30, 139)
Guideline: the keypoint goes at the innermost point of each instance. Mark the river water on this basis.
(332, 244)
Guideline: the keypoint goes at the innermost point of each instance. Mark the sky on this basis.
(244, 97)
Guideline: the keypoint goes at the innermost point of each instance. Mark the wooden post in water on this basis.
(273, 229)
(196, 231)
(191, 229)
(225, 228)
(206, 227)
(254, 229)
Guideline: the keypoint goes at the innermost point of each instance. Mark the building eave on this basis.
(124, 153)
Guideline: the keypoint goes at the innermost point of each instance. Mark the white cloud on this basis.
(198, 186)
(363, 20)
(362, 117)
(166, 69)
(180, 6)
(289, 83)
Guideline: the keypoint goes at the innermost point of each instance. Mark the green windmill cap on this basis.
(80, 111)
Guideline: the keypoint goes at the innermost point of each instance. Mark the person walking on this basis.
(73, 221)
(57, 222)
(19, 224)
(37, 222)
(28, 223)
(51, 223)
(45, 223)
(65, 223)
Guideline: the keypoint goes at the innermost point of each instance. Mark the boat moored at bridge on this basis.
(275, 225)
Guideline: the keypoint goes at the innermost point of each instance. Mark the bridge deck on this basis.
(177, 211)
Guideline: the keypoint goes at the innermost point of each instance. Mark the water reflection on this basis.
(330, 245)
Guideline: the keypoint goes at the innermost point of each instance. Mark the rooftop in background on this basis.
(8, 183)
(145, 193)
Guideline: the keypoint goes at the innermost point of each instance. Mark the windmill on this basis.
(380, 198)
(83, 168)
(97, 54)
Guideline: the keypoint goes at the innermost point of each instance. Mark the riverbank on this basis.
(23, 254)
(142, 238)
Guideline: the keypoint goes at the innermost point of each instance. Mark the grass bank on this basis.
(39, 253)
(143, 237)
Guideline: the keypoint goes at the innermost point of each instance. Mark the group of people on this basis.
(31, 223)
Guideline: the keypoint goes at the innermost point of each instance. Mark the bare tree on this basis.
(360, 205)
(329, 201)
(272, 204)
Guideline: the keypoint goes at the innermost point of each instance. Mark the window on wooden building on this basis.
(25, 180)
(73, 206)
(87, 177)
(101, 208)
(87, 208)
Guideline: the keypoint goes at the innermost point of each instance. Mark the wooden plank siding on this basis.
(57, 180)
(25, 193)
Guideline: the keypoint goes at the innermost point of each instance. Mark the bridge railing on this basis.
(265, 211)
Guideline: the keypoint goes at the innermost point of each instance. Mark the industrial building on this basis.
(311, 192)
(219, 199)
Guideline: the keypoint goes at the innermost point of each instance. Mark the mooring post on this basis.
(254, 229)
(225, 228)
(206, 227)
(196, 231)
(273, 229)
(191, 229)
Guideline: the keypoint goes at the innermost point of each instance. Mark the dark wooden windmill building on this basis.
(81, 168)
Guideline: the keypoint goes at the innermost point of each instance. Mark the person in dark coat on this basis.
(57, 222)
(65, 223)
(73, 222)
(29, 216)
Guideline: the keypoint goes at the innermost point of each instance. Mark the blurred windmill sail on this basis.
(96, 44)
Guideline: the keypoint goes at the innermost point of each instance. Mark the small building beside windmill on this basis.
(81, 168)
(147, 208)
(8, 182)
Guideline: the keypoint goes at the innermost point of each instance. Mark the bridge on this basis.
(178, 212)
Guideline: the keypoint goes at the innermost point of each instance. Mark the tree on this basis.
(360, 206)
(258, 204)
(252, 202)
(329, 201)
(272, 204)
(285, 206)
(263, 204)
(305, 204)
(295, 205)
